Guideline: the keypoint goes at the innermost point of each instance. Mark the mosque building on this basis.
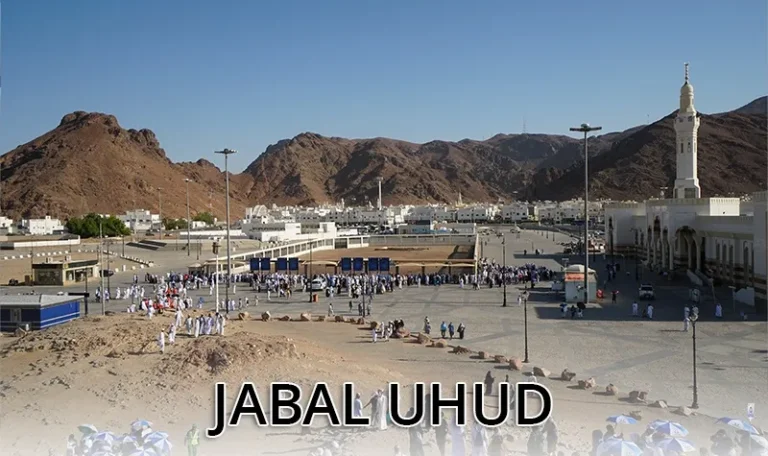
(717, 239)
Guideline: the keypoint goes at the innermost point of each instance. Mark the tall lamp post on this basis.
(311, 291)
(189, 221)
(693, 317)
(586, 129)
(504, 266)
(227, 153)
(525, 326)
(160, 210)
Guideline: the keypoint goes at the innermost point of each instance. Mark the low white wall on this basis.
(423, 239)
(37, 244)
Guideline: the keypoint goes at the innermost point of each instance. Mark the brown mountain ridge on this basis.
(89, 163)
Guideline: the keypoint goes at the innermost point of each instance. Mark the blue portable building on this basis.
(38, 311)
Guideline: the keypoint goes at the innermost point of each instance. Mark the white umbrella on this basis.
(159, 442)
(677, 445)
(140, 424)
(144, 452)
(621, 419)
(739, 424)
(104, 436)
(669, 428)
(618, 447)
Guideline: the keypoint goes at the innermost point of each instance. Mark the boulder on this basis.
(611, 390)
(360, 321)
(266, 316)
(375, 325)
(541, 372)
(516, 364)
(589, 383)
(243, 316)
(482, 355)
(423, 339)
(305, 316)
(638, 396)
(684, 411)
(321, 318)
(659, 404)
(20, 332)
(500, 359)
(339, 319)
(285, 318)
(401, 333)
(440, 343)
(636, 414)
(459, 350)
(567, 375)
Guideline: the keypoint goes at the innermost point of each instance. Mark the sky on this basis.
(208, 75)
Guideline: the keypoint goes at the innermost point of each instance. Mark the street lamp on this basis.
(693, 317)
(586, 129)
(525, 326)
(504, 266)
(311, 291)
(227, 153)
(189, 222)
(160, 210)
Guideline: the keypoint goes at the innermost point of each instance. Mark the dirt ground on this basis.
(400, 255)
(107, 371)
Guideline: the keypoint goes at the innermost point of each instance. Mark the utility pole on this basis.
(586, 129)
(311, 291)
(189, 220)
(227, 153)
(504, 266)
(101, 269)
(693, 317)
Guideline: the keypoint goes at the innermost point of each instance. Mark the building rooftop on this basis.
(32, 300)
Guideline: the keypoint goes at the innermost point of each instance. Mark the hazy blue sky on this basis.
(205, 75)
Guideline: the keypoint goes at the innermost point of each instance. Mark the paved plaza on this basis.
(608, 343)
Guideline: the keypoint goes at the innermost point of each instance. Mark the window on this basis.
(681, 148)
(690, 147)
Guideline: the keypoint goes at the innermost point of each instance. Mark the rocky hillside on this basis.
(90, 164)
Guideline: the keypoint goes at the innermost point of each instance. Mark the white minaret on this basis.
(379, 179)
(687, 129)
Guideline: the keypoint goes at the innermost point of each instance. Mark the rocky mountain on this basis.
(91, 164)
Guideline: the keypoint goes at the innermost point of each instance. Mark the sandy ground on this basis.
(107, 371)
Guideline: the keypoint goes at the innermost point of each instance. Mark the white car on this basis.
(317, 284)
(646, 292)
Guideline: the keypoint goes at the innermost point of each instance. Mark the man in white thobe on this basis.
(457, 438)
(161, 341)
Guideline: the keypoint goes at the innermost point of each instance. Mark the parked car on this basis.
(646, 292)
(107, 273)
(317, 284)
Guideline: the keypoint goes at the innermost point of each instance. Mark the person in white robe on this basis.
(381, 422)
(479, 440)
(190, 325)
(150, 311)
(650, 311)
(161, 341)
(374, 335)
(635, 309)
(172, 334)
(718, 311)
(197, 328)
(179, 317)
(357, 407)
(457, 438)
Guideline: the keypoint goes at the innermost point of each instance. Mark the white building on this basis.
(41, 227)
(708, 238)
(431, 213)
(140, 220)
(6, 225)
(480, 214)
(518, 212)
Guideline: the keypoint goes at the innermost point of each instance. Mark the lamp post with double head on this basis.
(189, 221)
(503, 236)
(227, 153)
(586, 129)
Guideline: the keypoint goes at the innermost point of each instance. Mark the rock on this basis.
(636, 414)
(374, 325)
(516, 364)
(659, 404)
(459, 350)
(360, 321)
(321, 318)
(20, 333)
(305, 316)
(440, 343)
(482, 355)
(285, 318)
(266, 316)
(638, 396)
(339, 319)
(611, 390)
(684, 411)
(109, 313)
(401, 333)
(500, 359)
(541, 372)
(423, 339)
(567, 375)
(588, 383)
(243, 316)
